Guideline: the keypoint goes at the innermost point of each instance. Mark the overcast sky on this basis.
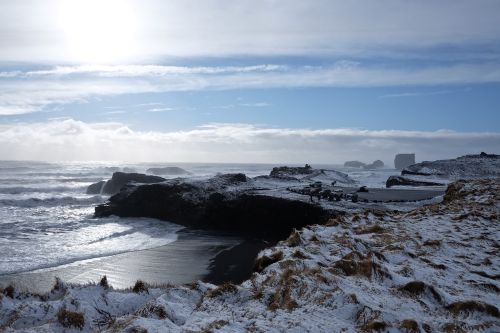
(266, 81)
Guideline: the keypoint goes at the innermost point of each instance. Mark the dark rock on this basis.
(96, 188)
(211, 204)
(284, 171)
(231, 178)
(363, 189)
(167, 171)
(375, 165)
(120, 179)
(354, 164)
(402, 161)
(483, 154)
(403, 181)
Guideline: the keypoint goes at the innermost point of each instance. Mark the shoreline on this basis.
(195, 255)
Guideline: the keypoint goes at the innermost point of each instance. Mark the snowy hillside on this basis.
(432, 269)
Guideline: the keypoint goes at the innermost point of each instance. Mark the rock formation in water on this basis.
(354, 164)
(228, 202)
(402, 161)
(119, 180)
(167, 171)
(375, 165)
(96, 188)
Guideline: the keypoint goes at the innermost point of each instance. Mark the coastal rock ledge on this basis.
(229, 202)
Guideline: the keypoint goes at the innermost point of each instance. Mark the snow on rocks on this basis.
(432, 269)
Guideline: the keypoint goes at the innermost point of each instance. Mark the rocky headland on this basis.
(431, 269)
(442, 172)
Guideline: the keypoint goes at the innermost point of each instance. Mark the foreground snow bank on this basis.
(432, 269)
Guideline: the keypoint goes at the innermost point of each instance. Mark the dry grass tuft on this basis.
(104, 282)
(58, 285)
(299, 255)
(70, 319)
(262, 262)
(139, 287)
(453, 192)
(226, 287)
(374, 325)
(355, 264)
(371, 229)
(314, 238)
(294, 239)
(153, 310)
(215, 325)
(282, 298)
(470, 306)
(8, 291)
(409, 326)
(453, 328)
(418, 287)
(432, 242)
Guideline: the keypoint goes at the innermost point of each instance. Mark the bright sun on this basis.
(98, 31)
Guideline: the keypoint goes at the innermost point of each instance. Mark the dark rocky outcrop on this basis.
(354, 164)
(465, 167)
(441, 172)
(96, 188)
(286, 172)
(119, 180)
(167, 171)
(226, 202)
(375, 165)
(403, 181)
(402, 161)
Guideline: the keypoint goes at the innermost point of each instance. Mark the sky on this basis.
(263, 81)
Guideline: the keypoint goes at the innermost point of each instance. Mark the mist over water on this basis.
(46, 219)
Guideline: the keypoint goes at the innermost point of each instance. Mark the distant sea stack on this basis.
(167, 171)
(404, 160)
(375, 165)
(354, 164)
(119, 180)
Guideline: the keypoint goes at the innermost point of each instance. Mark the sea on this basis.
(46, 217)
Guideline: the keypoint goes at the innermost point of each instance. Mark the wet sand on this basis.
(190, 258)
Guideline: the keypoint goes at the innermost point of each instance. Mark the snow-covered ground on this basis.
(432, 269)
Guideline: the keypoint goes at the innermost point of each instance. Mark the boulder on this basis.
(402, 161)
(354, 164)
(120, 179)
(167, 171)
(403, 181)
(96, 188)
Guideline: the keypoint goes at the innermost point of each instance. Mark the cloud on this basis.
(161, 109)
(68, 139)
(30, 91)
(34, 30)
(426, 93)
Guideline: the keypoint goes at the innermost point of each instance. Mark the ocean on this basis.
(46, 218)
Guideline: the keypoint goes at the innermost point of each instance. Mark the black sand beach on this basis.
(193, 256)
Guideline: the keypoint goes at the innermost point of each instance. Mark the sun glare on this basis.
(98, 31)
